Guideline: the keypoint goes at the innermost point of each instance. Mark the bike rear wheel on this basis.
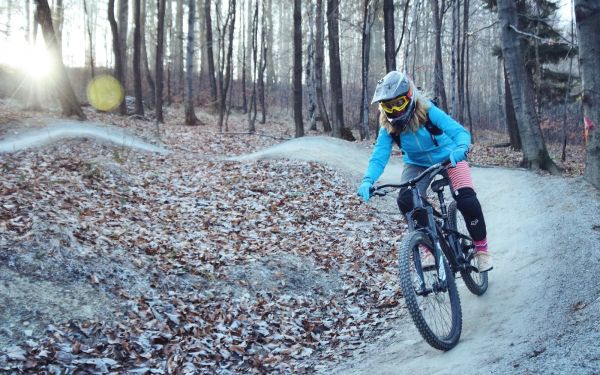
(476, 282)
(434, 308)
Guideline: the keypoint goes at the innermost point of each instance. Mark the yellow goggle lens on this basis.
(395, 105)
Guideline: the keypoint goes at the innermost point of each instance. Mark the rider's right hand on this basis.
(364, 190)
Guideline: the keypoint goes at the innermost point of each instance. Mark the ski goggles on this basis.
(397, 105)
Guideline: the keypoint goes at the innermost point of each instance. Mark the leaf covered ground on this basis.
(115, 260)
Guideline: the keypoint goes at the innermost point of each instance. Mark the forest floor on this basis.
(229, 255)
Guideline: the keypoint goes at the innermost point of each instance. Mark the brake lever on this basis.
(378, 193)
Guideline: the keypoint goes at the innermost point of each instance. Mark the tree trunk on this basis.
(511, 117)
(209, 53)
(137, 46)
(298, 69)
(68, 101)
(263, 66)
(310, 70)
(145, 63)
(587, 16)
(453, 62)
(462, 74)
(88, 26)
(389, 38)
(230, 22)
(337, 99)
(116, 51)
(170, 45)
(319, 58)
(245, 35)
(404, 18)
(270, 62)
(439, 91)
(123, 6)
(369, 7)
(190, 115)
(158, 67)
(178, 60)
(254, 36)
(58, 20)
(535, 155)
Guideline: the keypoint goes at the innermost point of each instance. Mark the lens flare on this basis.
(105, 93)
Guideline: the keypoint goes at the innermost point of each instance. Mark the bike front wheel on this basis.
(476, 282)
(432, 302)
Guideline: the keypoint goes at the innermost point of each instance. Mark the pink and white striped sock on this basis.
(481, 245)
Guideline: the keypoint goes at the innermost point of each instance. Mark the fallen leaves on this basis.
(219, 265)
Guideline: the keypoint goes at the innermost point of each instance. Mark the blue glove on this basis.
(458, 154)
(363, 190)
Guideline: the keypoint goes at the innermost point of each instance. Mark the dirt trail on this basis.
(541, 311)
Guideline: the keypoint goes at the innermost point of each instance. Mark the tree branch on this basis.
(550, 41)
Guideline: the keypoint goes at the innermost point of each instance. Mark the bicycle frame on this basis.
(444, 239)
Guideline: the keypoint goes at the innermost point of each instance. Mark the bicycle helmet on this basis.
(395, 94)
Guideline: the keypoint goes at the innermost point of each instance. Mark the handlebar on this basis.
(431, 171)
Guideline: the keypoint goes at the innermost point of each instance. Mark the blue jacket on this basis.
(418, 146)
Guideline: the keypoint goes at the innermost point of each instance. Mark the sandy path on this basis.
(534, 223)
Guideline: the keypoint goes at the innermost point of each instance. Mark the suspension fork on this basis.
(431, 231)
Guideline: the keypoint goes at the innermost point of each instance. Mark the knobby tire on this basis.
(476, 282)
(417, 305)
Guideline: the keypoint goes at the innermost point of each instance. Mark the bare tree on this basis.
(263, 65)
(145, 63)
(123, 6)
(298, 69)
(137, 46)
(226, 63)
(209, 53)
(319, 58)
(160, 38)
(245, 35)
(116, 50)
(57, 22)
(439, 89)
(337, 98)
(178, 45)
(511, 117)
(535, 154)
(254, 42)
(310, 70)
(68, 101)
(89, 28)
(389, 37)
(369, 7)
(587, 16)
(190, 115)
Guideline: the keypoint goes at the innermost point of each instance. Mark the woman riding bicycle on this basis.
(407, 116)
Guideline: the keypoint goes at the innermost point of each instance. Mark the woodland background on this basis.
(239, 56)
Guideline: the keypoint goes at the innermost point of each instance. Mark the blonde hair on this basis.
(419, 116)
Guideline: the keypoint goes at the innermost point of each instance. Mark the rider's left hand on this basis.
(458, 154)
(365, 190)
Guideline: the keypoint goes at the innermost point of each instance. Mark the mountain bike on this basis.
(430, 289)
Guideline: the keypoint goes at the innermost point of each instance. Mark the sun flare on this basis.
(33, 60)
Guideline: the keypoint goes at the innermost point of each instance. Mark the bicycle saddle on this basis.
(438, 185)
